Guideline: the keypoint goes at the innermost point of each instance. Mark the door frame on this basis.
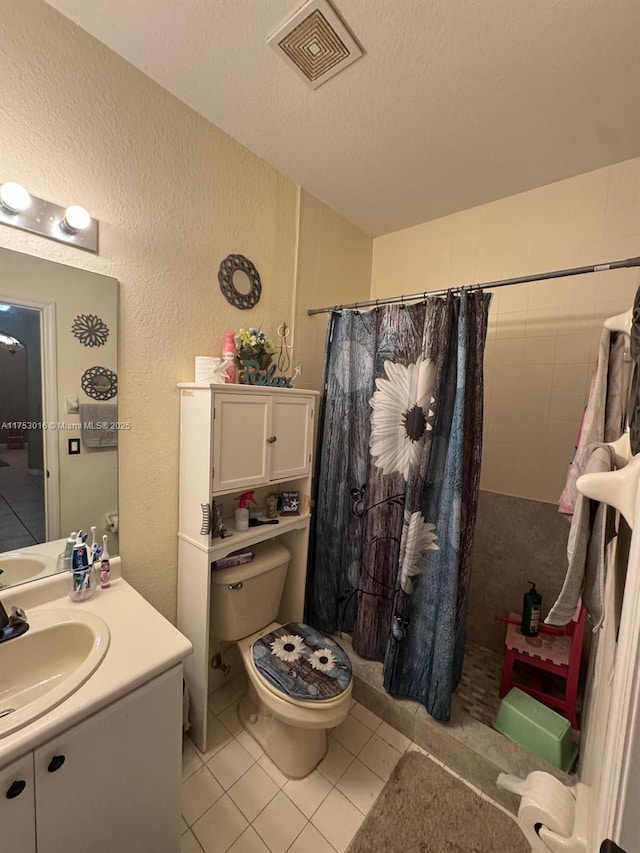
(48, 359)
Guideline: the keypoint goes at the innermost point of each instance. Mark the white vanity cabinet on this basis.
(17, 807)
(233, 439)
(109, 783)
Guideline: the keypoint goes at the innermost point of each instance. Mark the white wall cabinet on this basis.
(111, 782)
(236, 438)
(260, 438)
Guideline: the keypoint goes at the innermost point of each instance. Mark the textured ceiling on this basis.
(455, 103)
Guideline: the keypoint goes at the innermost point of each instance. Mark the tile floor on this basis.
(22, 520)
(234, 798)
(477, 693)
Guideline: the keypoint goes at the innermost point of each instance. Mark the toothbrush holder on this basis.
(82, 586)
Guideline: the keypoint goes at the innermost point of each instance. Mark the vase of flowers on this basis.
(253, 346)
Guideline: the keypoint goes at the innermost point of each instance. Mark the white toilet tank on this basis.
(246, 598)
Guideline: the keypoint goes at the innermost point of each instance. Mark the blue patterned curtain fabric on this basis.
(398, 473)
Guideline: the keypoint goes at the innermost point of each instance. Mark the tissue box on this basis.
(537, 728)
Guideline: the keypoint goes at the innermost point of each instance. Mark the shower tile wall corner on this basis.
(543, 337)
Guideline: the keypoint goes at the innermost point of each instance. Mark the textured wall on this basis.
(334, 267)
(174, 195)
(542, 336)
(516, 541)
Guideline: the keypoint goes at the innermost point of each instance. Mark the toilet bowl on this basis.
(292, 731)
(299, 679)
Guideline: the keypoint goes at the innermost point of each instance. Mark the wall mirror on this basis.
(58, 445)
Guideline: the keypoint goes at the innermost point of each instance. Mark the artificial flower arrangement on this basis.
(254, 345)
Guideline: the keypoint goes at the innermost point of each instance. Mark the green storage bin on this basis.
(537, 728)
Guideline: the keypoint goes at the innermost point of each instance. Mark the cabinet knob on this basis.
(16, 788)
(272, 439)
(56, 763)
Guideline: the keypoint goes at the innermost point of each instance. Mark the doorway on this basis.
(23, 446)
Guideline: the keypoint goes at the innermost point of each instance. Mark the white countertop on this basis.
(142, 644)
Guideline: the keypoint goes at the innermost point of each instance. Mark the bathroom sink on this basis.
(41, 668)
(16, 567)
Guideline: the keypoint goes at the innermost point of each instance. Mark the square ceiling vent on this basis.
(315, 43)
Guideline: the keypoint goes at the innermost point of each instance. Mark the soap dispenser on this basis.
(242, 513)
(531, 605)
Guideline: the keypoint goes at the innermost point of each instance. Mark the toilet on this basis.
(299, 679)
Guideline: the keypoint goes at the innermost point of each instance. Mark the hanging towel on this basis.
(97, 424)
(603, 416)
(592, 528)
(634, 396)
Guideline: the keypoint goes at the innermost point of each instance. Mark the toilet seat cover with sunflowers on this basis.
(302, 663)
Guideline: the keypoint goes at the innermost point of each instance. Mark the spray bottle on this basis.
(229, 357)
(531, 606)
(242, 513)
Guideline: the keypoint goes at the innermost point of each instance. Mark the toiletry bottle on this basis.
(271, 506)
(229, 357)
(242, 513)
(68, 551)
(531, 606)
(80, 556)
(105, 566)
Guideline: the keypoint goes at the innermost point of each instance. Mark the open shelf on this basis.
(241, 539)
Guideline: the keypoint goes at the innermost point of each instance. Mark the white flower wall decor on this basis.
(401, 415)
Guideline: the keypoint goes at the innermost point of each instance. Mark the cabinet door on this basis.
(241, 427)
(292, 429)
(17, 807)
(118, 788)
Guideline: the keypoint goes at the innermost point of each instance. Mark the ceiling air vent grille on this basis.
(315, 43)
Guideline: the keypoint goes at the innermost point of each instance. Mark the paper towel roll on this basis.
(545, 800)
(207, 367)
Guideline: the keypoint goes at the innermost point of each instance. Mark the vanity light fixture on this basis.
(13, 197)
(72, 225)
(75, 219)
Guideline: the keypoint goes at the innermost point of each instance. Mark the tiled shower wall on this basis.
(516, 540)
(543, 336)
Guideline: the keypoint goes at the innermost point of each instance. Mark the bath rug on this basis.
(424, 809)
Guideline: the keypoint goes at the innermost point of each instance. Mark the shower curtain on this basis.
(397, 477)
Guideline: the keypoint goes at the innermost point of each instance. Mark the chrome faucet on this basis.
(12, 625)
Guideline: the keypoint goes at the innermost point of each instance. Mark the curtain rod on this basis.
(390, 300)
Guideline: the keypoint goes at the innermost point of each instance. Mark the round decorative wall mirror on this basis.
(239, 281)
(100, 383)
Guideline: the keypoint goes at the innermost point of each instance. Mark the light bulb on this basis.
(76, 219)
(13, 197)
